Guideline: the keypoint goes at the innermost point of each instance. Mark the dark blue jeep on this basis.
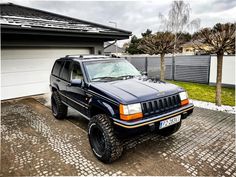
(113, 95)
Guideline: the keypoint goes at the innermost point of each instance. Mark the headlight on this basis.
(183, 98)
(183, 95)
(130, 112)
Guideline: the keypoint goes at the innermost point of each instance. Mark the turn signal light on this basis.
(184, 102)
(131, 117)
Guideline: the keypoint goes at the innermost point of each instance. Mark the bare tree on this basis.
(178, 20)
(219, 39)
(159, 43)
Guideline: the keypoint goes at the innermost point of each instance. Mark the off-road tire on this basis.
(110, 146)
(59, 110)
(170, 130)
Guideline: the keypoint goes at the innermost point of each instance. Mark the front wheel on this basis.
(170, 130)
(105, 145)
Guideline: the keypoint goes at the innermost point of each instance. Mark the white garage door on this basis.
(26, 72)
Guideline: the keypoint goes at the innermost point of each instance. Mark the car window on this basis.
(76, 72)
(57, 67)
(65, 73)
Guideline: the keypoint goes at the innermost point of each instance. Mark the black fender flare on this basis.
(54, 87)
(103, 105)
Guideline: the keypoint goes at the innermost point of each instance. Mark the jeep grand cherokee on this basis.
(113, 95)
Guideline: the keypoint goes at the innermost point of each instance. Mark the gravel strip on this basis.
(212, 106)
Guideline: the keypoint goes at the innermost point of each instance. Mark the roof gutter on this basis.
(9, 29)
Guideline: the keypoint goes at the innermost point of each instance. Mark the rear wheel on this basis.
(59, 110)
(105, 145)
(170, 130)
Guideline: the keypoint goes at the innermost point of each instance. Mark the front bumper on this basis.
(183, 110)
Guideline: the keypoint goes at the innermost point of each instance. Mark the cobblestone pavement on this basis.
(34, 143)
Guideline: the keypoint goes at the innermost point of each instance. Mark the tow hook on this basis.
(184, 115)
(152, 127)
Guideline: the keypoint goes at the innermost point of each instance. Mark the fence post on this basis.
(146, 65)
(173, 67)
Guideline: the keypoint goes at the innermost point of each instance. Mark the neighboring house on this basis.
(32, 40)
(192, 48)
(110, 48)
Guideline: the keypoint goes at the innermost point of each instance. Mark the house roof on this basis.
(192, 44)
(111, 48)
(19, 17)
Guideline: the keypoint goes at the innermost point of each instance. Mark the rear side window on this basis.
(65, 73)
(57, 67)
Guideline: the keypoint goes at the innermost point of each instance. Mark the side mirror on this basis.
(76, 82)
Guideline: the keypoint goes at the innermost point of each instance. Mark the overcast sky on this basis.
(136, 16)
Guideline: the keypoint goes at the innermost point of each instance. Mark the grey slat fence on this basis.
(183, 68)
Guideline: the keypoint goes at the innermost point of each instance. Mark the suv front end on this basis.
(154, 111)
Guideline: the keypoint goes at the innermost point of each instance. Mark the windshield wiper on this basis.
(125, 77)
(113, 78)
(103, 78)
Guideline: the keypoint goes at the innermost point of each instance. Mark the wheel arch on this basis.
(54, 87)
(101, 107)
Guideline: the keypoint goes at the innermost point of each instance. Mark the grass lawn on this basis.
(205, 92)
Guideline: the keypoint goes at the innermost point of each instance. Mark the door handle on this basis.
(58, 80)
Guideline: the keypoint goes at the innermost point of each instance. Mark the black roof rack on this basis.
(86, 56)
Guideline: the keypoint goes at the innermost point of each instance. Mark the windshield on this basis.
(110, 70)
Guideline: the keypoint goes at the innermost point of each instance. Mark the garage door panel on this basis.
(23, 90)
(26, 71)
(21, 78)
(22, 65)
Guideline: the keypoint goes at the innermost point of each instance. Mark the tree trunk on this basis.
(219, 78)
(162, 72)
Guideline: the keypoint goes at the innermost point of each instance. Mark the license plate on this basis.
(169, 122)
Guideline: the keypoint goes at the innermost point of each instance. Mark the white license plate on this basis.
(169, 122)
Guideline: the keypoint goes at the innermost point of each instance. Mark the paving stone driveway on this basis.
(34, 143)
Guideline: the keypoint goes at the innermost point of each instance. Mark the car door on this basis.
(65, 80)
(76, 94)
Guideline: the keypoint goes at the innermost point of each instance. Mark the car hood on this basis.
(135, 90)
